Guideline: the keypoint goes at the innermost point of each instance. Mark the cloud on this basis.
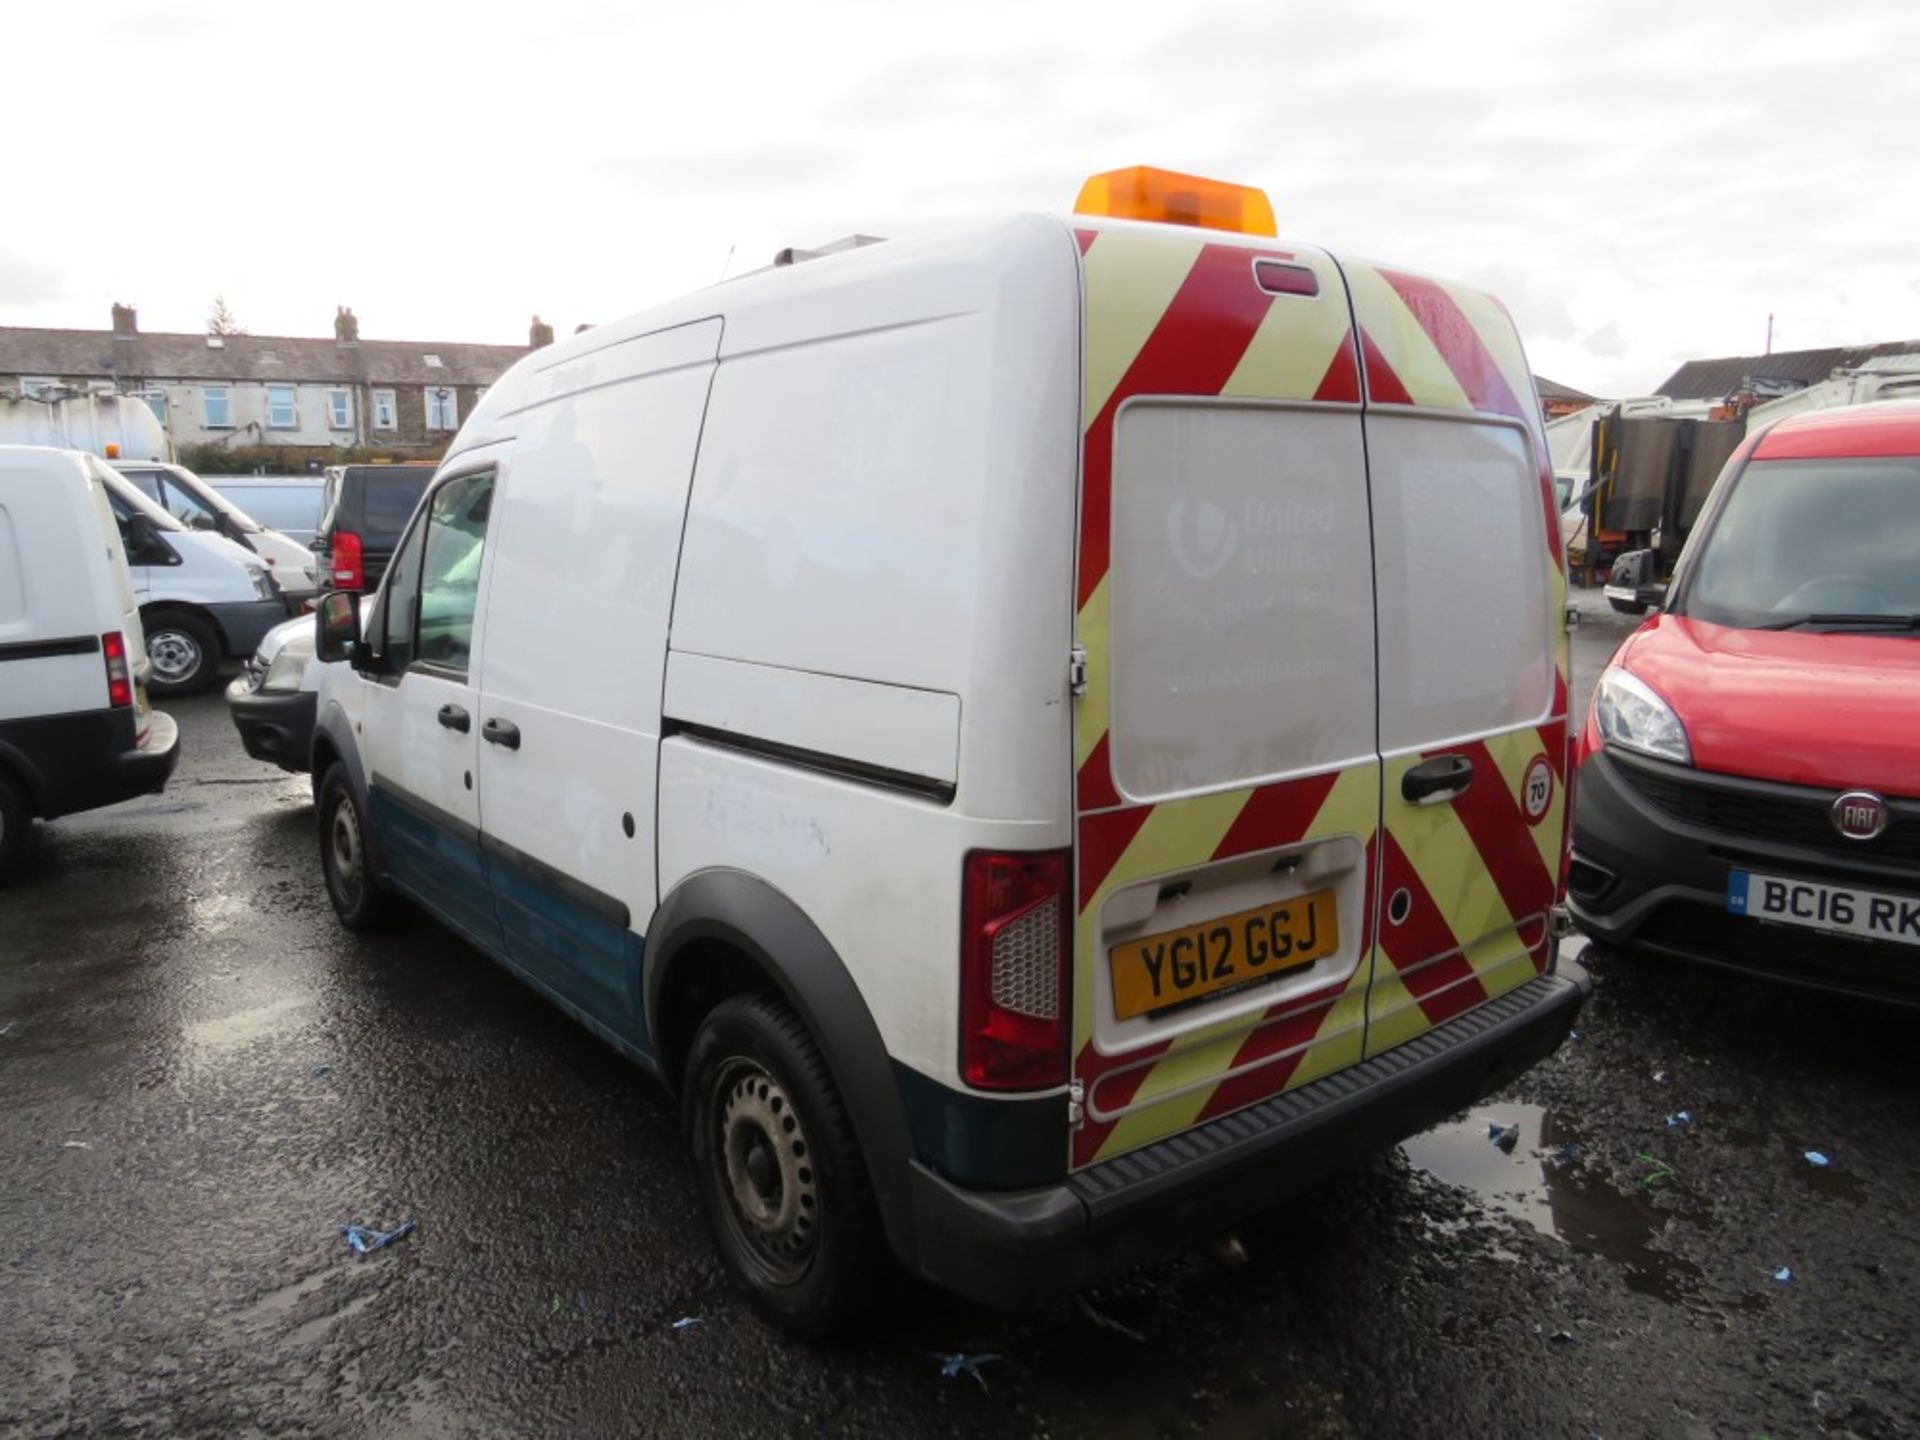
(747, 170)
(26, 282)
(161, 22)
(1014, 84)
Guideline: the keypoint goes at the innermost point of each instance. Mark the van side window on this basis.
(456, 532)
(401, 602)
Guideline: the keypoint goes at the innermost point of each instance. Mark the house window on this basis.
(156, 402)
(340, 409)
(383, 411)
(442, 408)
(282, 411)
(217, 407)
(32, 387)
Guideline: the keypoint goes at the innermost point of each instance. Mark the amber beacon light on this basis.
(1140, 192)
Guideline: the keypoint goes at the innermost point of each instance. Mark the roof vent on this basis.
(794, 255)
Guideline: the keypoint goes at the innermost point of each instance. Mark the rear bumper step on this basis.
(1026, 1247)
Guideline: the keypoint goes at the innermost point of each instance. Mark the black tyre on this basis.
(779, 1174)
(183, 651)
(15, 820)
(357, 897)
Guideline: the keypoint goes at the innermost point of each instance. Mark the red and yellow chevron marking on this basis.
(1146, 1093)
(1173, 314)
(1481, 877)
(1179, 315)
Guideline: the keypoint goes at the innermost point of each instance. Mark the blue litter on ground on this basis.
(319, 1070)
(364, 1239)
(1784, 1275)
(1565, 1154)
(1815, 1157)
(1503, 1137)
(686, 1322)
(1679, 1118)
(952, 1365)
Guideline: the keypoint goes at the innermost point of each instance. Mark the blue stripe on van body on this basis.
(436, 859)
(580, 951)
(555, 934)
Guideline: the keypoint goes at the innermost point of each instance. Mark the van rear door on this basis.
(1473, 658)
(1228, 785)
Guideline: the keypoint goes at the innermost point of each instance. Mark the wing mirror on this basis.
(337, 636)
(143, 543)
(1634, 585)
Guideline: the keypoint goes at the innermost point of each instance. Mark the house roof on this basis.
(1717, 379)
(1554, 390)
(259, 358)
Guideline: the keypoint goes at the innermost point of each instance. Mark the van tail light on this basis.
(1015, 945)
(113, 645)
(347, 571)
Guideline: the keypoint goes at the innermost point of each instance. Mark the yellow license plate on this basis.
(1156, 971)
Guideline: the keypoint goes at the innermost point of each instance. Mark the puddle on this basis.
(241, 1027)
(1540, 1185)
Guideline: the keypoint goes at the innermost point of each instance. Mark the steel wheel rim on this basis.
(173, 653)
(343, 848)
(770, 1189)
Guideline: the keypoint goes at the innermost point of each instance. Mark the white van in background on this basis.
(199, 506)
(75, 729)
(203, 599)
(989, 720)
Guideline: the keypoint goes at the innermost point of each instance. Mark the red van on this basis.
(1748, 788)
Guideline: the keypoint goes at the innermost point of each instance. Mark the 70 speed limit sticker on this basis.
(1536, 793)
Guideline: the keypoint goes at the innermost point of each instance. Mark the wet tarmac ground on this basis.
(202, 1078)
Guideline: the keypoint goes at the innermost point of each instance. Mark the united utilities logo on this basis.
(1202, 537)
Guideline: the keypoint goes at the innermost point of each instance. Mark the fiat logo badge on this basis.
(1860, 815)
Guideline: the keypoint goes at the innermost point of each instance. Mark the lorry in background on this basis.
(114, 427)
(1632, 476)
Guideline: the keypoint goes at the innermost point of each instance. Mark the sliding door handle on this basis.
(501, 732)
(1436, 781)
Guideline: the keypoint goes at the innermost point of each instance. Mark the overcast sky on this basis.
(1642, 183)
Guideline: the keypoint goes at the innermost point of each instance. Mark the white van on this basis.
(203, 599)
(994, 722)
(75, 729)
(294, 569)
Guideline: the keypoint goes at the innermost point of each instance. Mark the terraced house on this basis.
(303, 397)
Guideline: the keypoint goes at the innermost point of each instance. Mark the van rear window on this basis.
(1465, 610)
(1242, 596)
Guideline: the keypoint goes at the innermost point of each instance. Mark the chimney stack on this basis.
(346, 329)
(126, 322)
(539, 334)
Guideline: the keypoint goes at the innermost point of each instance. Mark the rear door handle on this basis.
(454, 718)
(501, 732)
(1436, 781)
